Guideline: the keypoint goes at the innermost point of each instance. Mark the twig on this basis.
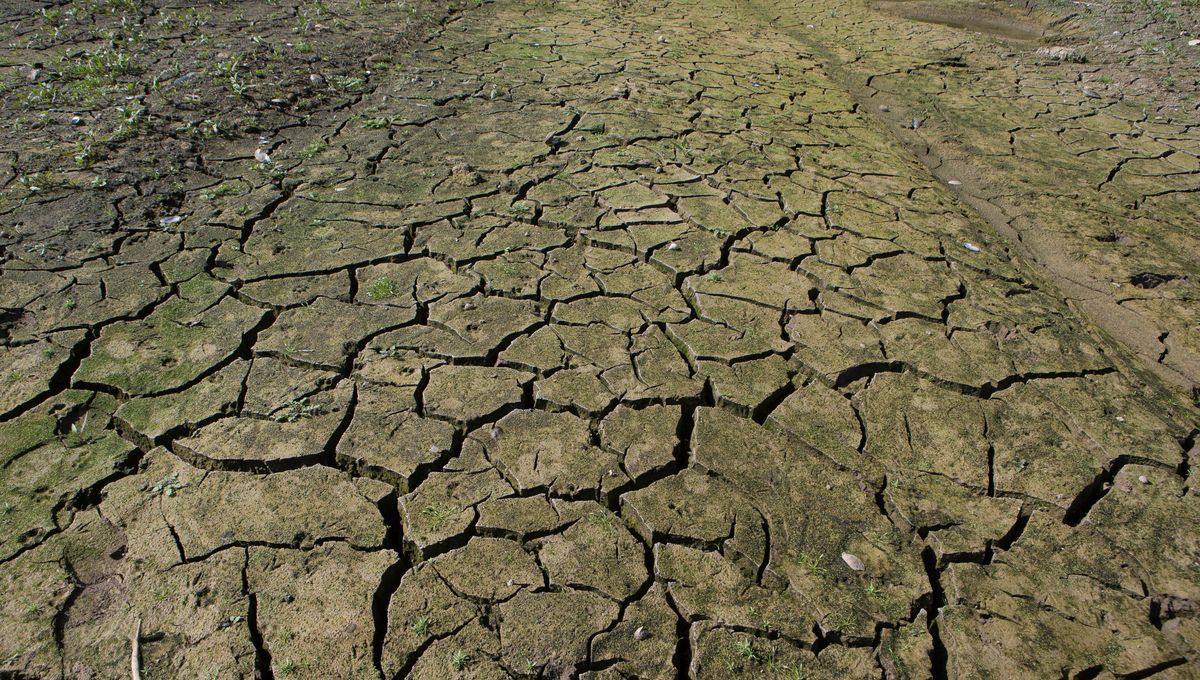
(135, 666)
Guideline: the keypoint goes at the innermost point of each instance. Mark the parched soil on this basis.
(604, 340)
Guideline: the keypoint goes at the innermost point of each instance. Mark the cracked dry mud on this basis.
(632, 343)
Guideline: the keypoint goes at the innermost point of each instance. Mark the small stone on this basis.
(1143, 479)
(1060, 53)
(884, 108)
(173, 219)
(317, 79)
(954, 183)
(916, 123)
(663, 39)
(640, 634)
(853, 562)
(1194, 42)
(971, 247)
(76, 120)
(262, 156)
(1090, 94)
(672, 246)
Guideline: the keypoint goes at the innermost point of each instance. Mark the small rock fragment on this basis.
(954, 183)
(1143, 479)
(971, 247)
(916, 123)
(173, 219)
(853, 562)
(1194, 42)
(261, 156)
(76, 120)
(317, 80)
(1060, 53)
(640, 634)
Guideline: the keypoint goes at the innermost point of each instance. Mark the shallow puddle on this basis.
(971, 18)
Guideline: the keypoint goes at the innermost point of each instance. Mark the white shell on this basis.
(853, 562)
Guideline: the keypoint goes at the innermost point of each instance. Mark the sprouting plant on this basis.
(382, 288)
(601, 519)
(459, 660)
(86, 154)
(230, 71)
(873, 590)
(311, 150)
(299, 409)
(812, 564)
(745, 649)
(421, 626)
(167, 486)
(376, 123)
(437, 515)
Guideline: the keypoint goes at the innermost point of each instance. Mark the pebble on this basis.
(1056, 52)
(1090, 94)
(173, 219)
(672, 246)
(1144, 479)
(884, 108)
(317, 80)
(853, 562)
(916, 123)
(261, 156)
(1194, 42)
(954, 183)
(640, 634)
(76, 120)
(971, 247)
